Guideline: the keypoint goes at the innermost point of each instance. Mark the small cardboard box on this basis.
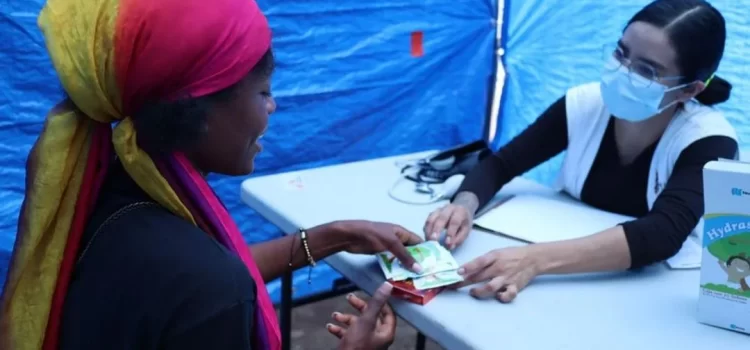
(724, 299)
(405, 290)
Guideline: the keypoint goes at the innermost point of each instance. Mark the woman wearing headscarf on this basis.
(121, 242)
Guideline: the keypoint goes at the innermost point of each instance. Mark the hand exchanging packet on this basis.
(438, 266)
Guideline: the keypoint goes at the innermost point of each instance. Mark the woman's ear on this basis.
(690, 91)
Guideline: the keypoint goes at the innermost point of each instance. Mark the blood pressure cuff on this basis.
(438, 168)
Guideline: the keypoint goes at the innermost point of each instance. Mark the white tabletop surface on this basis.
(653, 309)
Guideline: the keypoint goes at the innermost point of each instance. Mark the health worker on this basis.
(636, 143)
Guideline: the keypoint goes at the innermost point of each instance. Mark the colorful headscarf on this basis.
(112, 56)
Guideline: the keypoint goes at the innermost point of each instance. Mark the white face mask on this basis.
(630, 96)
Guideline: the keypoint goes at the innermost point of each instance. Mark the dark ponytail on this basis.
(717, 91)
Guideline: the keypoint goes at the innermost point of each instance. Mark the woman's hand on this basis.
(373, 328)
(455, 218)
(368, 237)
(507, 271)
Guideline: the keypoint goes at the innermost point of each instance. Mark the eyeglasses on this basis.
(641, 73)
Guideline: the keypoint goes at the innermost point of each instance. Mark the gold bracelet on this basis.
(308, 255)
(310, 260)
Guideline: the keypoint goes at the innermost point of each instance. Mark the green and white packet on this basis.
(436, 280)
(430, 255)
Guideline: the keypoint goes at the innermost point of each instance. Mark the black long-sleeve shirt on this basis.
(657, 234)
(151, 280)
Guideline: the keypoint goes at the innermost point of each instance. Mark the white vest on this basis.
(587, 121)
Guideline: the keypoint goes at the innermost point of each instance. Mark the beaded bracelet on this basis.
(303, 237)
(308, 254)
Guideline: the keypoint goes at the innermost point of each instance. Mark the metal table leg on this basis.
(286, 311)
(421, 341)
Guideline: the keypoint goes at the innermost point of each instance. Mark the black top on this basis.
(657, 234)
(151, 280)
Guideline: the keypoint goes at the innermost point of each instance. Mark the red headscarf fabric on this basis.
(171, 48)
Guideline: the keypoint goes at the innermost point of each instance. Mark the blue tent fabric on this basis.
(551, 46)
(346, 86)
(348, 89)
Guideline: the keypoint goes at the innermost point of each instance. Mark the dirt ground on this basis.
(309, 333)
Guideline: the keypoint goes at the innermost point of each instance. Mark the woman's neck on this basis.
(191, 158)
(634, 137)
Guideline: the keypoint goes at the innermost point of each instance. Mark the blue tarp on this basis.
(551, 46)
(347, 88)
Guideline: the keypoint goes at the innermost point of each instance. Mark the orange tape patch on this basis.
(417, 44)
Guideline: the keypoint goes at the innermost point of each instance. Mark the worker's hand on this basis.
(455, 218)
(506, 272)
(372, 327)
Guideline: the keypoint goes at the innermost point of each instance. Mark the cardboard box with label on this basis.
(724, 299)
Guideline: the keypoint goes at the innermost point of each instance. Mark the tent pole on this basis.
(496, 87)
